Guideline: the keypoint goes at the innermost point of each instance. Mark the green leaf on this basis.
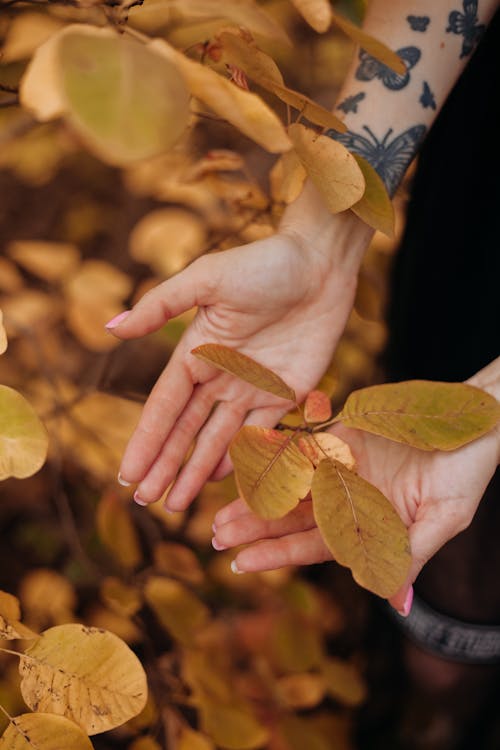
(23, 438)
(125, 100)
(375, 207)
(421, 413)
(371, 45)
(245, 368)
(360, 528)
(177, 608)
(43, 732)
(317, 407)
(271, 473)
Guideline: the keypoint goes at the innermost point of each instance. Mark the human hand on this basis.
(435, 493)
(278, 300)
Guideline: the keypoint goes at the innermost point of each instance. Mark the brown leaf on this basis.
(245, 368)
(361, 528)
(317, 13)
(317, 407)
(375, 207)
(272, 475)
(371, 45)
(421, 413)
(330, 166)
(321, 445)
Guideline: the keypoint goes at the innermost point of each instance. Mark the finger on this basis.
(303, 548)
(210, 446)
(231, 511)
(223, 468)
(190, 288)
(251, 528)
(173, 451)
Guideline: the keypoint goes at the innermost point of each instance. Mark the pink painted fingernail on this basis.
(138, 500)
(405, 611)
(114, 322)
(217, 546)
(235, 569)
(123, 481)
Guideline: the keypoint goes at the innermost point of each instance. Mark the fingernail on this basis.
(114, 322)
(235, 569)
(405, 611)
(214, 528)
(138, 500)
(123, 481)
(217, 546)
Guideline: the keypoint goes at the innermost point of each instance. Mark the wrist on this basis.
(489, 380)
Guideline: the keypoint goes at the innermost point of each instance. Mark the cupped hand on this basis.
(275, 300)
(435, 493)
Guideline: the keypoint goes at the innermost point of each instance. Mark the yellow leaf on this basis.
(239, 50)
(296, 644)
(47, 597)
(287, 178)
(425, 414)
(375, 207)
(317, 13)
(374, 48)
(245, 368)
(99, 80)
(51, 261)
(231, 726)
(86, 320)
(117, 531)
(3, 336)
(243, 109)
(26, 32)
(88, 675)
(180, 612)
(361, 528)
(321, 445)
(30, 310)
(272, 475)
(96, 280)
(23, 438)
(307, 107)
(334, 170)
(10, 615)
(317, 407)
(168, 239)
(304, 690)
(191, 740)
(43, 731)
(179, 561)
(344, 682)
(106, 619)
(122, 598)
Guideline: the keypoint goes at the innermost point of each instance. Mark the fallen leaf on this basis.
(23, 438)
(11, 627)
(344, 682)
(117, 531)
(51, 261)
(180, 612)
(122, 598)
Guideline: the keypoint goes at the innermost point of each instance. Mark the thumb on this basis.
(189, 288)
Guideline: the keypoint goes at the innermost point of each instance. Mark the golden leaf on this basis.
(51, 261)
(287, 178)
(271, 474)
(374, 48)
(245, 368)
(180, 612)
(26, 32)
(122, 598)
(321, 445)
(231, 726)
(243, 109)
(23, 438)
(317, 407)
(29, 310)
(317, 13)
(86, 320)
(344, 681)
(47, 597)
(375, 207)
(179, 561)
(10, 615)
(421, 413)
(43, 731)
(117, 531)
(96, 280)
(296, 644)
(106, 619)
(191, 740)
(303, 690)
(307, 107)
(3, 336)
(334, 170)
(361, 528)
(239, 50)
(88, 675)
(99, 80)
(168, 239)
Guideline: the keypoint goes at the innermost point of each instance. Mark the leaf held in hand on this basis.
(317, 13)
(371, 45)
(287, 178)
(88, 675)
(424, 414)
(245, 368)
(307, 107)
(360, 528)
(23, 438)
(321, 445)
(317, 407)
(43, 731)
(239, 50)
(331, 167)
(375, 207)
(271, 473)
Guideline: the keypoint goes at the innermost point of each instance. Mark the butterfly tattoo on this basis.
(466, 24)
(427, 99)
(371, 68)
(418, 23)
(389, 157)
(350, 103)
